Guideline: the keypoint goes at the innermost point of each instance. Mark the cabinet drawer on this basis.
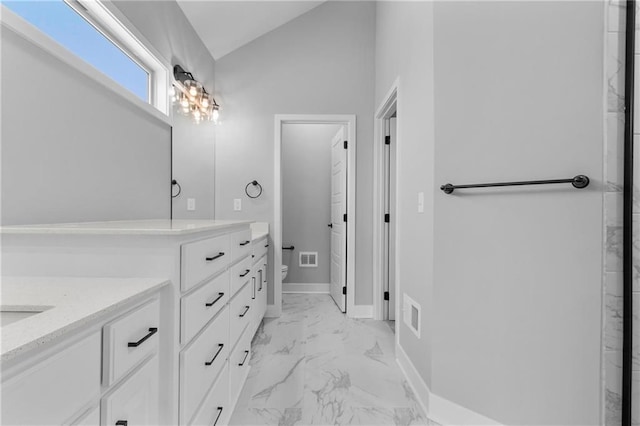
(201, 362)
(202, 259)
(135, 400)
(241, 244)
(199, 307)
(55, 389)
(239, 364)
(240, 274)
(260, 249)
(215, 408)
(239, 313)
(130, 339)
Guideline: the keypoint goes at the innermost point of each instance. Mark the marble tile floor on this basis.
(315, 366)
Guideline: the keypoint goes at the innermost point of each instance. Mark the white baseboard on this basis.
(272, 312)
(322, 288)
(360, 311)
(447, 412)
(438, 409)
(419, 387)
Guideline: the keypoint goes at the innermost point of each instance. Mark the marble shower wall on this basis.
(614, 146)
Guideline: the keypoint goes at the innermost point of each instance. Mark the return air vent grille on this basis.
(411, 314)
(308, 259)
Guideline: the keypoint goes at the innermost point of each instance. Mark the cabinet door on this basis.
(55, 389)
(135, 401)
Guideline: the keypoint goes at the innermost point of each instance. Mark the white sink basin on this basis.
(11, 314)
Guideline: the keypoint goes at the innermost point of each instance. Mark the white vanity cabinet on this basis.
(218, 288)
(84, 365)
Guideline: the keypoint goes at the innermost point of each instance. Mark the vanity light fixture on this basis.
(192, 97)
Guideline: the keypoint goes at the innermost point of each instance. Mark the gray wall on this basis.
(404, 50)
(319, 63)
(511, 278)
(81, 152)
(519, 271)
(166, 27)
(306, 198)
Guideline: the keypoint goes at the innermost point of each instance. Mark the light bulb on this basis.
(205, 100)
(215, 115)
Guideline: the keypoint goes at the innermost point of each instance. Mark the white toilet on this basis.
(285, 269)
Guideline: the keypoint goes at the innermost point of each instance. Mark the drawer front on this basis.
(260, 249)
(202, 259)
(56, 389)
(215, 408)
(130, 339)
(135, 400)
(241, 244)
(240, 274)
(201, 362)
(239, 313)
(239, 365)
(199, 307)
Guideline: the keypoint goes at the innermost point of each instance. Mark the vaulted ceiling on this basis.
(225, 26)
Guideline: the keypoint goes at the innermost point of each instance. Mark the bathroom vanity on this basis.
(216, 298)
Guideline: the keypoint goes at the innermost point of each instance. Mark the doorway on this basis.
(389, 234)
(386, 143)
(341, 223)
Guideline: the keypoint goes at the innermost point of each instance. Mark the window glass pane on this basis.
(60, 22)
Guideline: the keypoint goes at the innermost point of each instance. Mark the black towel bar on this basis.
(579, 181)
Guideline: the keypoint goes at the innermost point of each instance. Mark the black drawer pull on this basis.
(266, 245)
(246, 309)
(245, 273)
(217, 418)
(260, 288)
(220, 346)
(122, 423)
(152, 331)
(245, 243)
(217, 298)
(246, 354)
(217, 256)
(254, 288)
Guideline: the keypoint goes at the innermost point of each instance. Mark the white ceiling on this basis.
(225, 25)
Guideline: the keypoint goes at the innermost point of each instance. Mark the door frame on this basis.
(349, 121)
(384, 111)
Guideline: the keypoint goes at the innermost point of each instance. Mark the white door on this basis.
(389, 270)
(338, 224)
(392, 219)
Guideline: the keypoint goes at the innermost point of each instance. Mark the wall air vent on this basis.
(308, 259)
(411, 314)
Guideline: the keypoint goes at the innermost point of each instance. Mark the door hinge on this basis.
(387, 218)
(344, 217)
(344, 290)
(386, 295)
(387, 140)
(346, 144)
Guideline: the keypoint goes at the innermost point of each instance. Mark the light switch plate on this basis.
(237, 204)
(191, 204)
(420, 202)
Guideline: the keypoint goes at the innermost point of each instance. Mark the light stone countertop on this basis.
(74, 302)
(259, 230)
(126, 227)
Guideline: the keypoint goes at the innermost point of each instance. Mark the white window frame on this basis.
(110, 22)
